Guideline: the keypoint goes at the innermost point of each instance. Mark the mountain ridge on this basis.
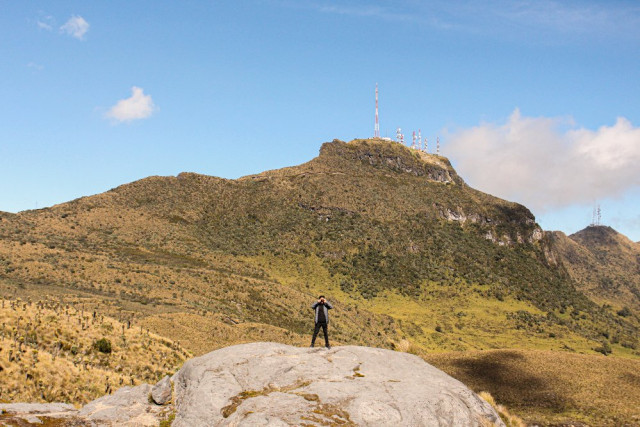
(412, 258)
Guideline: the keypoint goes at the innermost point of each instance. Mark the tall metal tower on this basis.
(438, 146)
(426, 145)
(419, 139)
(398, 135)
(413, 140)
(596, 218)
(376, 129)
(599, 216)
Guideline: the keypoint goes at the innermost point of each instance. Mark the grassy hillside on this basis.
(411, 256)
(52, 351)
(550, 387)
(606, 267)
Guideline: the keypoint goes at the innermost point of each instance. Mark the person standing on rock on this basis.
(321, 309)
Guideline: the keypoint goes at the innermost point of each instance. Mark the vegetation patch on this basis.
(551, 387)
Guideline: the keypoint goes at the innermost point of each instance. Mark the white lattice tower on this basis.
(376, 129)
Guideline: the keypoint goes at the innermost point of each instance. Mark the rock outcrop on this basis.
(280, 385)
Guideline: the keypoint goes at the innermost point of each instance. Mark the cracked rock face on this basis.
(262, 384)
(276, 384)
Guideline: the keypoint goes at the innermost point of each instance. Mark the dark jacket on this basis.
(326, 307)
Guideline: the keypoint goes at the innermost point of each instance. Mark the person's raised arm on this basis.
(328, 304)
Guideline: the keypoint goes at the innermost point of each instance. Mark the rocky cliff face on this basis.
(279, 385)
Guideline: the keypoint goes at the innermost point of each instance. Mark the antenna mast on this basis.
(596, 218)
(376, 129)
(426, 145)
(413, 140)
(420, 139)
(438, 146)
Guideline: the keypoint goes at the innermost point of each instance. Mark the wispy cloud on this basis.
(348, 8)
(46, 23)
(137, 106)
(547, 163)
(76, 27)
(35, 67)
(546, 19)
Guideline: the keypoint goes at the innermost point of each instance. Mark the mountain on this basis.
(605, 264)
(382, 228)
(412, 258)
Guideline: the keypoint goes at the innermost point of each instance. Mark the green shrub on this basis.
(624, 312)
(103, 345)
(605, 348)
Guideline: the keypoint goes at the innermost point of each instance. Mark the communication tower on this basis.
(398, 135)
(376, 129)
(426, 145)
(420, 139)
(596, 218)
(438, 146)
(413, 140)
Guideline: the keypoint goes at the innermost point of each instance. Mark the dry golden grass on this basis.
(48, 353)
(509, 419)
(551, 387)
(205, 333)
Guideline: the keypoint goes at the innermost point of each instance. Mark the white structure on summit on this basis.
(376, 129)
(399, 136)
(416, 141)
(596, 219)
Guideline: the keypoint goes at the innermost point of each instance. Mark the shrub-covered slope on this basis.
(410, 253)
(605, 265)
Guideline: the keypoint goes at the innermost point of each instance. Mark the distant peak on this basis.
(598, 235)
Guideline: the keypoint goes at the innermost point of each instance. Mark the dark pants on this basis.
(315, 333)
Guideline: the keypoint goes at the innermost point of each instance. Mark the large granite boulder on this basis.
(262, 384)
(276, 384)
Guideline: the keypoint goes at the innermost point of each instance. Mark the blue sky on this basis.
(534, 101)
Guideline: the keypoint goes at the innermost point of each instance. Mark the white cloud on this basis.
(76, 27)
(534, 161)
(34, 66)
(45, 24)
(138, 106)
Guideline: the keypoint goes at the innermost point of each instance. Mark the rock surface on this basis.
(128, 405)
(276, 384)
(279, 385)
(34, 413)
(161, 392)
